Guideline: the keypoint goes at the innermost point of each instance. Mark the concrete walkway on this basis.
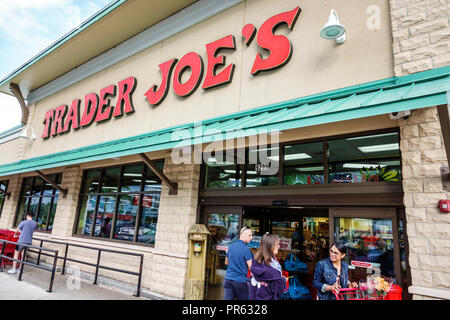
(35, 283)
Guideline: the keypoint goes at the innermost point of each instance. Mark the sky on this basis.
(26, 28)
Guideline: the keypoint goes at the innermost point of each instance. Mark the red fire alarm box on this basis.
(444, 205)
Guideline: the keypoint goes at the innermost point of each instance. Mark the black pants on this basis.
(235, 290)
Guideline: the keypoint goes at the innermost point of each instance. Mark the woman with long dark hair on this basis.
(266, 282)
(331, 274)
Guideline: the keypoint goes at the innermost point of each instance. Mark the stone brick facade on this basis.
(421, 41)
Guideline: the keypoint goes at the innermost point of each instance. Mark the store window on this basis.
(3, 187)
(354, 159)
(371, 158)
(370, 241)
(40, 198)
(222, 174)
(303, 164)
(262, 168)
(120, 203)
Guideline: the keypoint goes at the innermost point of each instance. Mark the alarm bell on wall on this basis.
(333, 29)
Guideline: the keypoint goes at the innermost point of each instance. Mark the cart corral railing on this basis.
(23, 261)
(96, 265)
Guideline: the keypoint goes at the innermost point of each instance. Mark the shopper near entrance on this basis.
(239, 260)
(331, 274)
(27, 228)
(266, 280)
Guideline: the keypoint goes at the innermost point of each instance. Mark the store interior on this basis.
(305, 233)
(302, 231)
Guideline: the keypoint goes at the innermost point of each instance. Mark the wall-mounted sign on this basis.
(99, 108)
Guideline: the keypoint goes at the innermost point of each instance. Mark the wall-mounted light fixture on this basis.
(333, 29)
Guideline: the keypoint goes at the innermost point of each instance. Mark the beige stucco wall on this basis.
(11, 151)
(317, 65)
(422, 41)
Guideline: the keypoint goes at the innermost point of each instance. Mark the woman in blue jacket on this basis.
(332, 273)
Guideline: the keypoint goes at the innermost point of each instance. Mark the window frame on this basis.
(2, 195)
(41, 195)
(117, 195)
(282, 146)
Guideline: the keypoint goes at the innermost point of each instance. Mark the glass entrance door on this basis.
(372, 237)
(223, 223)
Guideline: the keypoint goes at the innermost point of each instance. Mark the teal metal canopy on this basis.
(420, 90)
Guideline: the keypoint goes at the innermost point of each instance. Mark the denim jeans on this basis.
(235, 290)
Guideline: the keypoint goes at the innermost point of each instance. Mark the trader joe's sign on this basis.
(98, 107)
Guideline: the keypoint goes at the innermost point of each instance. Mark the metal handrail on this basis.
(97, 265)
(23, 262)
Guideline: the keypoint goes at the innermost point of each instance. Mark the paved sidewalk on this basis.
(35, 283)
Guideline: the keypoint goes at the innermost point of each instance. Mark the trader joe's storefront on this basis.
(340, 188)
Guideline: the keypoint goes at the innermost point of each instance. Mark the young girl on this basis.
(266, 282)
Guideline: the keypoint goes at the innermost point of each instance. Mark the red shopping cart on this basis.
(354, 294)
(9, 248)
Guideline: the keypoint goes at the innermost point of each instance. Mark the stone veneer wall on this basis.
(421, 41)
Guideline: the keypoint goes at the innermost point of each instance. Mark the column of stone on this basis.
(177, 213)
(66, 209)
(421, 41)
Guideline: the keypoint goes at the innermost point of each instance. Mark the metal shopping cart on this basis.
(354, 294)
(8, 249)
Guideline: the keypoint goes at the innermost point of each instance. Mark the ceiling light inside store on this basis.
(373, 136)
(297, 156)
(309, 169)
(362, 165)
(379, 148)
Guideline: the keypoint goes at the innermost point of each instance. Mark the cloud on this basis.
(29, 26)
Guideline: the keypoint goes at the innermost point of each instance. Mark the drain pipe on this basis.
(15, 89)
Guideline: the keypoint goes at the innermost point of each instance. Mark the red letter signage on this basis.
(124, 100)
(105, 109)
(154, 96)
(100, 108)
(194, 62)
(90, 109)
(279, 46)
(73, 117)
(48, 123)
(58, 123)
(211, 79)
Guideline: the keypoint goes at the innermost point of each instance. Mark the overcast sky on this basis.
(26, 28)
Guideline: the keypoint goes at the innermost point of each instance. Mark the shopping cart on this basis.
(9, 248)
(354, 294)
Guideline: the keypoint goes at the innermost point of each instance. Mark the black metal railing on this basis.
(96, 265)
(23, 261)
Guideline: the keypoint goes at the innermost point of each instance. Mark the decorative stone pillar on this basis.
(66, 209)
(421, 41)
(177, 213)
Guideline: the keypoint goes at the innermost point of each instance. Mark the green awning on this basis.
(420, 90)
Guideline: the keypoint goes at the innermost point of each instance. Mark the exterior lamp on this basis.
(333, 29)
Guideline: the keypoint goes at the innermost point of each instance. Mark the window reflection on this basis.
(367, 240)
(262, 168)
(222, 174)
(371, 158)
(303, 164)
(40, 198)
(119, 211)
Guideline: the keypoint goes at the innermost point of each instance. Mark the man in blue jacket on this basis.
(239, 259)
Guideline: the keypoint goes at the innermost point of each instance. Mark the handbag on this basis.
(293, 264)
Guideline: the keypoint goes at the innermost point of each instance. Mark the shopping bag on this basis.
(296, 291)
(293, 264)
